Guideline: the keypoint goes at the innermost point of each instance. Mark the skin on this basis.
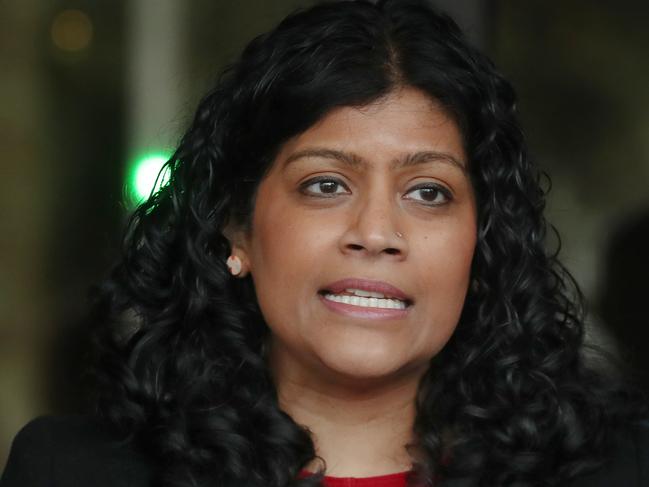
(352, 381)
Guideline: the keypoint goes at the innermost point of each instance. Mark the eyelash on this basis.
(438, 188)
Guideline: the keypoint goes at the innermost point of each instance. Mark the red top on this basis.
(390, 480)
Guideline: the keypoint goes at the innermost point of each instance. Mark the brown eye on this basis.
(323, 186)
(431, 194)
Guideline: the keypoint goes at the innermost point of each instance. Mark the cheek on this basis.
(287, 251)
(446, 252)
(445, 271)
(288, 245)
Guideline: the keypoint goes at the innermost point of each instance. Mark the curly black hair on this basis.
(182, 366)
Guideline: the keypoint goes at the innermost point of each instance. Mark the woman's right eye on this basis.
(324, 186)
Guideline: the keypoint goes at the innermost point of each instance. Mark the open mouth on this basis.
(366, 299)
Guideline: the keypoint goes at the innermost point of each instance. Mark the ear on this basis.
(239, 241)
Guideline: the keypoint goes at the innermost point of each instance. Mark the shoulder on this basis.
(626, 466)
(628, 463)
(73, 450)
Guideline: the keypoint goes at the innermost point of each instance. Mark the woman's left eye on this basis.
(431, 194)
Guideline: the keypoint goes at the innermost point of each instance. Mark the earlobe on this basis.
(234, 265)
(237, 262)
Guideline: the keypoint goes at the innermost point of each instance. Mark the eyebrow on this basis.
(355, 161)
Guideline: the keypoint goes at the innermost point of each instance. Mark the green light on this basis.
(143, 173)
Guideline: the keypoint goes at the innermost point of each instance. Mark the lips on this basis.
(385, 288)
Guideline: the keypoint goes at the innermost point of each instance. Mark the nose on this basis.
(373, 228)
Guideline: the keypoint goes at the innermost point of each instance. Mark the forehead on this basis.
(404, 122)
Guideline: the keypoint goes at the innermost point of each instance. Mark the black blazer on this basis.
(77, 451)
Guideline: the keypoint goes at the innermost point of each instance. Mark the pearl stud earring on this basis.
(234, 264)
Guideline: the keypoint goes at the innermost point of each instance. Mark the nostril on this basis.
(392, 251)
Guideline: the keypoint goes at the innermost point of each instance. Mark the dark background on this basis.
(86, 85)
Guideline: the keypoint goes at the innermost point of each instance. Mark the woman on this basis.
(345, 281)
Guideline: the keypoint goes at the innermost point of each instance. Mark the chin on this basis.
(362, 367)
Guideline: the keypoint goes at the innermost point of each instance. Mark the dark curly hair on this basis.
(182, 364)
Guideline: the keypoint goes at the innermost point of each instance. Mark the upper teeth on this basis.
(365, 294)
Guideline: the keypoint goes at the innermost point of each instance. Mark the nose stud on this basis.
(398, 234)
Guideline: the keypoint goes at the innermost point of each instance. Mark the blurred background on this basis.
(95, 93)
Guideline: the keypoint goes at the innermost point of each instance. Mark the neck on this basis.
(358, 430)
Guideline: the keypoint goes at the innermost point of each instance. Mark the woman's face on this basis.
(379, 195)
